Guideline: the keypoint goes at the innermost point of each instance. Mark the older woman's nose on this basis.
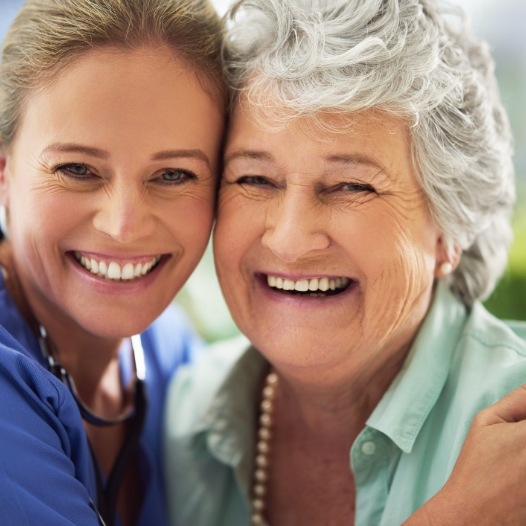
(125, 215)
(295, 228)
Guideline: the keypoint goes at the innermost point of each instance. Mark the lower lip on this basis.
(110, 286)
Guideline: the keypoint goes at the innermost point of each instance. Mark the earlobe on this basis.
(445, 268)
(448, 257)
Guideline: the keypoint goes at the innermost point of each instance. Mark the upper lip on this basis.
(118, 258)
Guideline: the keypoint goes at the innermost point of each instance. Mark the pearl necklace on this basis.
(259, 487)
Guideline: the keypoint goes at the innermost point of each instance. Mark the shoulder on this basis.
(484, 333)
(42, 438)
(490, 359)
(195, 386)
(29, 387)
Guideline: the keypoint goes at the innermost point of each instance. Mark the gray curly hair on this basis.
(413, 58)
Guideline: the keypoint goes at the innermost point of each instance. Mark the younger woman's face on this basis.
(110, 188)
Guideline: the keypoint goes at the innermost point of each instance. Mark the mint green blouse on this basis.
(460, 362)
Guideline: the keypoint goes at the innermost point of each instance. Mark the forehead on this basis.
(146, 90)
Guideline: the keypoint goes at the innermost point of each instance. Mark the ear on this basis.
(447, 257)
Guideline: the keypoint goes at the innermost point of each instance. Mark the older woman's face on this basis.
(110, 188)
(324, 247)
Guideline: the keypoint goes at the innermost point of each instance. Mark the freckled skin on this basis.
(346, 204)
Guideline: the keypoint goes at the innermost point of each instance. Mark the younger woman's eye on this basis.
(177, 176)
(75, 170)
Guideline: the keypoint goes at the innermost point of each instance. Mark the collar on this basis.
(407, 403)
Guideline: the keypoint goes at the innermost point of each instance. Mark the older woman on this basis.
(364, 213)
(111, 116)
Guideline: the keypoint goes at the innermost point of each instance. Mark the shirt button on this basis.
(368, 448)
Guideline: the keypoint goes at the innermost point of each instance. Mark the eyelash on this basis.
(65, 169)
(358, 187)
(187, 176)
(254, 180)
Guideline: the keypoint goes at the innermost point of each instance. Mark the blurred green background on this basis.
(509, 298)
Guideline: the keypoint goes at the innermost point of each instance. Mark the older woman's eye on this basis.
(253, 180)
(177, 176)
(356, 187)
(75, 170)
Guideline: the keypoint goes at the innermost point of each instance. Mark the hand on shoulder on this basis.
(487, 485)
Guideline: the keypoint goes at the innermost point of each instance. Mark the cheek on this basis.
(401, 289)
(238, 225)
(396, 243)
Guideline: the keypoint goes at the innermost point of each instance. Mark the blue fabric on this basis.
(46, 471)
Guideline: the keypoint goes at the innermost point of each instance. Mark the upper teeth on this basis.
(304, 285)
(113, 270)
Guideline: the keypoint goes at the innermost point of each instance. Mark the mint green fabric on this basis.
(459, 363)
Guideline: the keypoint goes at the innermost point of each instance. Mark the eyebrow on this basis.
(60, 147)
(255, 155)
(178, 154)
(103, 154)
(358, 159)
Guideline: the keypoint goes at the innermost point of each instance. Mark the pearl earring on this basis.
(446, 268)
(3, 220)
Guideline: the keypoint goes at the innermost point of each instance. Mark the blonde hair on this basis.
(48, 35)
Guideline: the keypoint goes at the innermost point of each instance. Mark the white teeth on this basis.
(302, 285)
(127, 271)
(112, 270)
(288, 284)
(308, 285)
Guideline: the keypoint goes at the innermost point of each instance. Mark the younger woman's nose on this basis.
(125, 214)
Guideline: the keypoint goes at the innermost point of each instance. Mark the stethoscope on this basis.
(108, 492)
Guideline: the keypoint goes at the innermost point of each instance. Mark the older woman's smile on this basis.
(324, 285)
